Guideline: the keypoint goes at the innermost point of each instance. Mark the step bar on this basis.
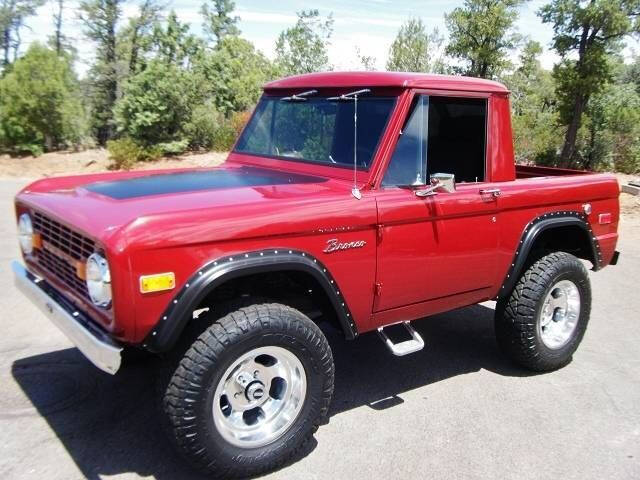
(415, 344)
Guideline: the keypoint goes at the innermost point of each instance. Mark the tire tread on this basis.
(515, 320)
(179, 401)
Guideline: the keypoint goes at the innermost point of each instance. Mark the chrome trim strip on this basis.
(96, 345)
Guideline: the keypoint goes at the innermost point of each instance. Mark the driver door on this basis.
(437, 252)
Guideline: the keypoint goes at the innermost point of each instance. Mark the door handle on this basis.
(491, 191)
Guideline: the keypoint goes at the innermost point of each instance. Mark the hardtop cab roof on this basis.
(386, 79)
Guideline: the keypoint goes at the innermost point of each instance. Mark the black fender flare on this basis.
(533, 230)
(176, 316)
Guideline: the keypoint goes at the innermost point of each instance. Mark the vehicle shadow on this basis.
(110, 424)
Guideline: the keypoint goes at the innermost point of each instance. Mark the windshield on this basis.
(316, 129)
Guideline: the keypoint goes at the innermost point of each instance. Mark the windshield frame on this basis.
(385, 94)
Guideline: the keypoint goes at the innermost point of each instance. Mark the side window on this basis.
(457, 137)
(408, 164)
(442, 135)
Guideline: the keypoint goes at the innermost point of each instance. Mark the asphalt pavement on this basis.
(455, 410)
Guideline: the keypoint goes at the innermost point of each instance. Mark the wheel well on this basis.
(568, 233)
(297, 289)
(572, 239)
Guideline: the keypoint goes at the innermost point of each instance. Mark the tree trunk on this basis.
(133, 59)
(483, 70)
(579, 104)
(58, 22)
(112, 80)
(6, 44)
(569, 148)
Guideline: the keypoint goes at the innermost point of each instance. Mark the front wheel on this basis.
(250, 391)
(542, 322)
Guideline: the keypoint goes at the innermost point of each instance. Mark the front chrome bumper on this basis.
(96, 345)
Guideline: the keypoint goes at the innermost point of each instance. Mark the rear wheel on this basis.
(542, 322)
(250, 391)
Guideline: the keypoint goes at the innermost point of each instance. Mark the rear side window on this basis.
(442, 135)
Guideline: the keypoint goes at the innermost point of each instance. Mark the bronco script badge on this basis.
(333, 245)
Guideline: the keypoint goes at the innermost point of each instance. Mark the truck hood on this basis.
(167, 206)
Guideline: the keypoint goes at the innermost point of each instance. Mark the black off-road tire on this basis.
(188, 398)
(517, 316)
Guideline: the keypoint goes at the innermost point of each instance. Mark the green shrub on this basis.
(156, 103)
(210, 130)
(239, 120)
(173, 148)
(223, 137)
(627, 158)
(125, 153)
(202, 126)
(40, 107)
(228, 131)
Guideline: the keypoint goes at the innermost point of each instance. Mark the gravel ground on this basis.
(457, 409)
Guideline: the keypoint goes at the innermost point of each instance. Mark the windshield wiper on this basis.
(299, 97)
(349, 96)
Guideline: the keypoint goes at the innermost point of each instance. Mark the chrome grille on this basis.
(61, 269)
(63, 238)
(66, 247)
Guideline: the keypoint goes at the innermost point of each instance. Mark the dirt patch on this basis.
(93, 161)
(629, 204)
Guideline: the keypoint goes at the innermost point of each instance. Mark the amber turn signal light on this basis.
(157, 282)
(37, 241)
(81, 270)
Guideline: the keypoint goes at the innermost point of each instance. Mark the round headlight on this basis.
(99, 280)
(25, 233)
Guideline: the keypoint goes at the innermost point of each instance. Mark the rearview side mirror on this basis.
(445, 182)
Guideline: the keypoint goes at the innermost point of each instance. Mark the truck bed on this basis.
(530, 171)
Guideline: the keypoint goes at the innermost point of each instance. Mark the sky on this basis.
(367, 25)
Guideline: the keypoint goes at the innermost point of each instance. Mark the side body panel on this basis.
(435, 247)
(230, 234)
(455, 249)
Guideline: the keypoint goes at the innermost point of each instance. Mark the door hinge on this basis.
(379, 232)
(377, 289)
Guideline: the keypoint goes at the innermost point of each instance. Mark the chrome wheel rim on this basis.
(259, 397)
(559, 314)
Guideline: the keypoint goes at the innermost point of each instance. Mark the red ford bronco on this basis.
(358, 200)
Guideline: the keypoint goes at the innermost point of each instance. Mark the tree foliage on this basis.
(12, 15)
(186, 95)
(367, 62)
(591, 31)
(610, 136)
(156, 103)
(481, 35)
(40, 106)
(235, 71)
(303, 47)
(219, 21)
(174, 43)
(415, 50)
(136, 38)
(533, 106)
(100, 18)
(154, 87)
